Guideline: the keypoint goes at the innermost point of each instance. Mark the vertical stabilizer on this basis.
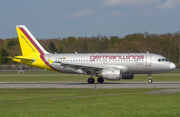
(28, 42)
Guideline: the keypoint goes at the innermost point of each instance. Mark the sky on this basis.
(86, 18)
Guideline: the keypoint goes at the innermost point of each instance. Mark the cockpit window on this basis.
(166, 60)
(163, 59)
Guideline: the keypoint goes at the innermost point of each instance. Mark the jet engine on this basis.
(111, 74)
(128, 76)
(79, 71)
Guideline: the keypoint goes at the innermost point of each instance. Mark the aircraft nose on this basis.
(172, 66)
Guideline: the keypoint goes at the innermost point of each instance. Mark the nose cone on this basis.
(172, 66)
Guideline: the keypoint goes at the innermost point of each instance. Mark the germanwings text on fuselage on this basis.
(112, 57)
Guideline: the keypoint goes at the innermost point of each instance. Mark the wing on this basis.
(83, 67)
(88, 68)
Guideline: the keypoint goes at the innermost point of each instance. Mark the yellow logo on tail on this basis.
(50, 61)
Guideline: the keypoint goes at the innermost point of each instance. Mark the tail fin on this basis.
(28, 42)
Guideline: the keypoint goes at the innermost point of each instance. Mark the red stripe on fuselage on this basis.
(37, 47)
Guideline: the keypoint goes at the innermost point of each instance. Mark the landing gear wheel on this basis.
(100, 80)
(150, 81)
(91, 80)
(149, 78)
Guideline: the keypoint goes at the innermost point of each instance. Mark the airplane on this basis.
(110, 66)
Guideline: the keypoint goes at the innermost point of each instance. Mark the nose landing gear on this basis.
(150, 78)
(150, 81)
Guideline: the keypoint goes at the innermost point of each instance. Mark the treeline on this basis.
(164, 44)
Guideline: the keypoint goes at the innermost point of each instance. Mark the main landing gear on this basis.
(100, 80)
(149, 78)
(91, 80)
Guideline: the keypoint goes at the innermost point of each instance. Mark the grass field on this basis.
(87, 103)
(81, 78)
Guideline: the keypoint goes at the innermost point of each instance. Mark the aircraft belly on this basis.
(61, 68)
(161, 68)
(148, 69)
(137, 70)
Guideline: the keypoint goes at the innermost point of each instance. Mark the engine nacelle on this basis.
(128, 76)
(79, 71)
(111, 74)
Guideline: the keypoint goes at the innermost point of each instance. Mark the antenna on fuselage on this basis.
(147, 52)
(75, 52)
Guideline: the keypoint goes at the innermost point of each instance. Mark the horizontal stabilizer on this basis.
(24, 58)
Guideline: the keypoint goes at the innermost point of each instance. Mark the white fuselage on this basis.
(114, 66)
(136, 63)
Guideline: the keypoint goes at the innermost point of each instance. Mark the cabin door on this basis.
(148, 60)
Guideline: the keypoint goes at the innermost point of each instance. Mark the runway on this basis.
(24, 85)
